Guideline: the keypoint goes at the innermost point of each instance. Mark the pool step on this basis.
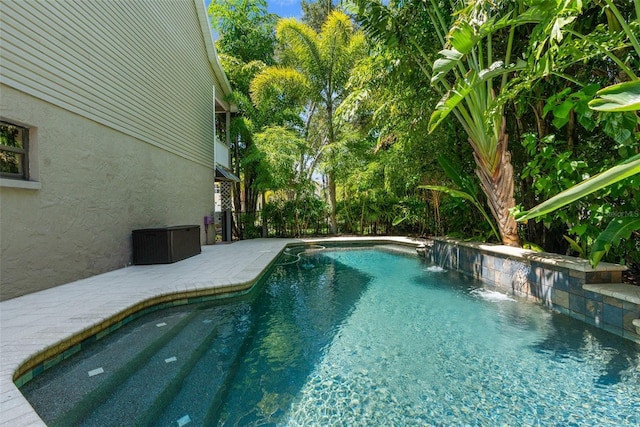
(621, 291)
(88, 372)
(215, 405)
(208, 378)
(126, 390)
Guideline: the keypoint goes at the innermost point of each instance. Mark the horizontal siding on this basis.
(138, 66)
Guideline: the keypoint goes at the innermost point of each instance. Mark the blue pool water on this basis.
(349, 337)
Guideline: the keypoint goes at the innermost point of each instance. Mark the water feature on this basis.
(349, 337)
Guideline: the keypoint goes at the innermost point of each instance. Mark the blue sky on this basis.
(283, 8)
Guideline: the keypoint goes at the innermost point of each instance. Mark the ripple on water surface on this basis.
(359, 338)
(452, 354)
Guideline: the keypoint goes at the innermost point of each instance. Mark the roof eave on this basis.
(211, 51)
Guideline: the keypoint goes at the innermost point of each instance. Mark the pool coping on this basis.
(621, 291)
(548, 258)
(36, 326)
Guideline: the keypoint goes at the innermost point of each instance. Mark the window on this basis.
(14, 151)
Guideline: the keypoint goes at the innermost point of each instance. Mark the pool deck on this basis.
(48, 320)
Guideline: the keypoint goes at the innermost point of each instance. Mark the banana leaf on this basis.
(455, 174)
(452, 98)
(575, 246)
(586, 187)
(463, 37)
(616, 98)
(441, 66)
(618, 229)
(463, 86)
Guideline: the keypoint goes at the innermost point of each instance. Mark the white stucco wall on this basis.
(96, 185)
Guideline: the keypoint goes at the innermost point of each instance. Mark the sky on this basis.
(283, 8)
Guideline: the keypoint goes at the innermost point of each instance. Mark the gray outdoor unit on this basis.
(165, 245)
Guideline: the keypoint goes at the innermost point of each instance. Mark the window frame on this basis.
(23, 152)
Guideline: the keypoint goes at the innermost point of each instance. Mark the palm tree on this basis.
(315, 67)
(471, 72)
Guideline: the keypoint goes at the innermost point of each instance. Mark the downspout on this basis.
(213, 121)
(213, 210)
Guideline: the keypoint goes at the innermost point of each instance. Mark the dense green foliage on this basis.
(472, 84)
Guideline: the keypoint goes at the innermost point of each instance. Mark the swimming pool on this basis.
(349, 337)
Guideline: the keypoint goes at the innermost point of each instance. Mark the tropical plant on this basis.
(388, 99)
(315, 13)
(618, 104)
(314, 66)
(278, 152)
(617, 229)
(622, 96)
(246, 43)
(244, 29)
(618, 98)
(467, 190)
(597, 182)
(470, 77)
(465, 72)
(294, 218)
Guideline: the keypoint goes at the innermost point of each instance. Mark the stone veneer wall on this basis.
(553, 280)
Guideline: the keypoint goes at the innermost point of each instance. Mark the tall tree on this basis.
(315, 66)
(245, 29)
(387, 98)
(479, 55)
(315, 13)
(246, 43)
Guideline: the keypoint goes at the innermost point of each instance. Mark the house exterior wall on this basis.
(119, 100)
(97, 185)
(138, 66)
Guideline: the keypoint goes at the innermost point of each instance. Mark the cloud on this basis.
(285, 2)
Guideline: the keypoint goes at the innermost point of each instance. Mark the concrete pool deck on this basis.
(47, 321)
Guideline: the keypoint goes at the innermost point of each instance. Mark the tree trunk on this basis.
(331, 139)
(498, 186)
(541, 124)
(265, 230)
(333, 222)
(362, 219)
(571, 127)
(250, 193)
(237, 188)
(435, 198)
